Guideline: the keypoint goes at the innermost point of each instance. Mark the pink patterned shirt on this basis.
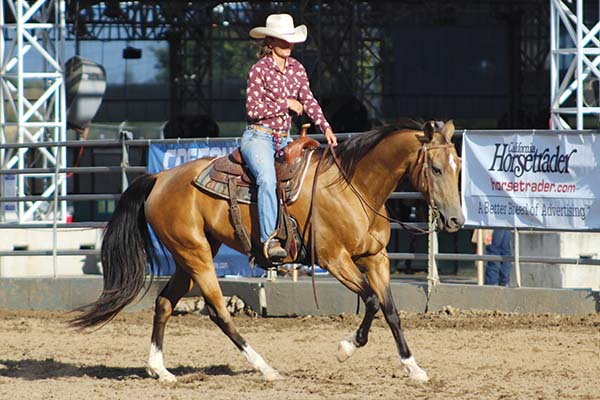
(269, 88)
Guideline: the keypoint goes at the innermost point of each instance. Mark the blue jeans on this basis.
(258, 149)
(498, 273)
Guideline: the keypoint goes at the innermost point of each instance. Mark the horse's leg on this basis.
(344, 269)
(179, 284)
(207, 281)
(348, 346)
(378, 273)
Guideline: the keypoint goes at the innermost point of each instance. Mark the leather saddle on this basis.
(290, 170)
(228, 177)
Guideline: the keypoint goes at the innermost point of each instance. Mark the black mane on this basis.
(352, 150)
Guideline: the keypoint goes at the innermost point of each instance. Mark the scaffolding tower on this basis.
(33, 112)
(574, 60)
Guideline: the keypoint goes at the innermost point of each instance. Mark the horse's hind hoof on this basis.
(168, 379)
(166, 376)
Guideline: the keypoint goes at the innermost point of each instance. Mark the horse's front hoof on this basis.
(273, 376)
(413, 370)
(419, 376)
(346, 349)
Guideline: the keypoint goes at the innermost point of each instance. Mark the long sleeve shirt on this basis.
(269, 88)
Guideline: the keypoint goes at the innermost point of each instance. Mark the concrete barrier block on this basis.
(565, 245)
(42, 239)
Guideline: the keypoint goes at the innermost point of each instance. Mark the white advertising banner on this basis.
(539, 179)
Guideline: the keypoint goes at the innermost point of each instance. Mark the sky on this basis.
(118, 69)
(109, 55)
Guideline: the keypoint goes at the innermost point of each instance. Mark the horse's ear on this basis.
(429, 128)
(448, 131)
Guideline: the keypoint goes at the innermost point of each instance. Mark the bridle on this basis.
(423, 169)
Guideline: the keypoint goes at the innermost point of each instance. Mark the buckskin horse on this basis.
(350, 236)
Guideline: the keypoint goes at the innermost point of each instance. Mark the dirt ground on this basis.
(468, 355)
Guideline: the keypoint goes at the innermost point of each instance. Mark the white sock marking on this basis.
(259, 363)
(156, 365)
(413, 370)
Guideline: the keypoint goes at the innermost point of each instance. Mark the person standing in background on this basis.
(498, 272)
(497, 243)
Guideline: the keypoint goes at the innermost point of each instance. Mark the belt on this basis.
(269, 130)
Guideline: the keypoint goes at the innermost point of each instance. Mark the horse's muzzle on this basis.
(450, 223)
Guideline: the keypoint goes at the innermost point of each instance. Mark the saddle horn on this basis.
(304, 129)
(294, 150)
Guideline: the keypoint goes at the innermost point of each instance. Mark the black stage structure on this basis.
(481, 63)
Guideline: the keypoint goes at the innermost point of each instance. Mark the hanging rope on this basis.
(433, 278)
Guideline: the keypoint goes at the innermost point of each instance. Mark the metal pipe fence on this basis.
(124, 168)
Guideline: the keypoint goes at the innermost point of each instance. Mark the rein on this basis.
(311, 218)
(422, 163)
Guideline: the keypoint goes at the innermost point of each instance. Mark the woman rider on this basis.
(277, 87)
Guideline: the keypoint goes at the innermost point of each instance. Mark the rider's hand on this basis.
(295, 106)
(330, 136)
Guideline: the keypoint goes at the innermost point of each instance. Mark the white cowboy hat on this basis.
(280, 26)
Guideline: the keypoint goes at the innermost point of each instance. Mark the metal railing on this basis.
(124, 168)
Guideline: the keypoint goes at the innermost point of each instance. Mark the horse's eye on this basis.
(436, 170)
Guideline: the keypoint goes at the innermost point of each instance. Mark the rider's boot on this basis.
(274, 250)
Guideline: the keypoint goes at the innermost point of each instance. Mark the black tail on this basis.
(126, 252)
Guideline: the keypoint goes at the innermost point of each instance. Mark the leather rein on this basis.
(424, 179)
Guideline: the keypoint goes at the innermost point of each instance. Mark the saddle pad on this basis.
(247, 194)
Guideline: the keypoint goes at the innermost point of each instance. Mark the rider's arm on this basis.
(311, 105)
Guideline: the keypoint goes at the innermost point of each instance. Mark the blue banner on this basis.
(165, 156)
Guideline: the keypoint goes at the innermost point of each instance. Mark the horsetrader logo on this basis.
(518, 158)
(540, 180)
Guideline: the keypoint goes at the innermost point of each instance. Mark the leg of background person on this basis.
(504, 273)
(505, 250)
(492, 268)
